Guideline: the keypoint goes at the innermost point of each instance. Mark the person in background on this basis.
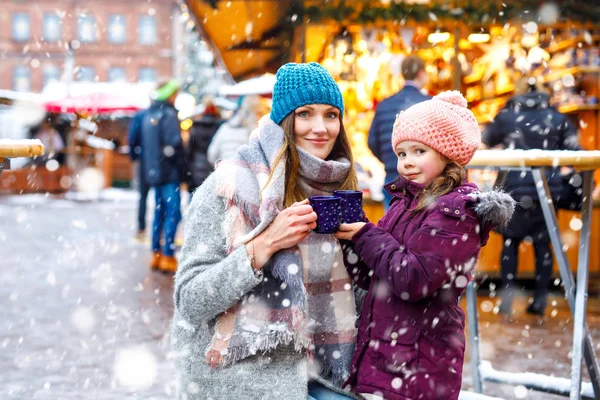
(263, 307)
(380, 134)
(419, 258)
(236, 131)
(134, 136)
(52, 141)
(528, 121)
(201, 134)
(164, 161)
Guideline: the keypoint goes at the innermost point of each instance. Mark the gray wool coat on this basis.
(208, 282)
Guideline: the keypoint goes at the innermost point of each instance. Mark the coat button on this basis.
(394, 335)
(393, 187)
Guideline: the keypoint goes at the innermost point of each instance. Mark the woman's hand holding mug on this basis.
(288, 229)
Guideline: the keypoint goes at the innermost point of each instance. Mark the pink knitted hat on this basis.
(443, 123)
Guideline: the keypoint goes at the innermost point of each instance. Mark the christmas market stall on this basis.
(481, 48)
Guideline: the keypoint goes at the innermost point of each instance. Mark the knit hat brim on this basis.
(443, 123)
(298, 85)
(309, 94)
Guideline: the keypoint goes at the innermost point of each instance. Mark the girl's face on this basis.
(419, 163)
(316, 128)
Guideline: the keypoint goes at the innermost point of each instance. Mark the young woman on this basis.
(416, 263)
(264, 308)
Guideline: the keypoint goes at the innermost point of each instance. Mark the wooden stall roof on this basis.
(251, 37)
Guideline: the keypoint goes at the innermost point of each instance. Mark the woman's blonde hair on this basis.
(293, 191)
(452, 176)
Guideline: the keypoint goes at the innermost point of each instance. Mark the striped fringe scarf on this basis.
(306, 297)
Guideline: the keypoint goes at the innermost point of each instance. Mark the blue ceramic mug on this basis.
(351, 205)
(328, 213)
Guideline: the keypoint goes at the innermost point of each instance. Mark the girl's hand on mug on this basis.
(288, 229)
(347, 231)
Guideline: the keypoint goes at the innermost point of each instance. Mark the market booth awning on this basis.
(94, 103)
(262, 85)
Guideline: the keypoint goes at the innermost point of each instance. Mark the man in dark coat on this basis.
(201, 134)
(135, 153)
(380, 134)
(164, 162)
(527, 121)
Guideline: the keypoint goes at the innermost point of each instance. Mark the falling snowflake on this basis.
(293, 269)
(575, 224)
(486, 306)
(521, 392)
(461, 281)
(51, 278)
(326, 247)
(83, 319)
(352, 258)
(396, 383)
(135, 367)
(168, 151)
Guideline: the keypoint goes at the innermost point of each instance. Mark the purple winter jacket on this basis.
(411, 340)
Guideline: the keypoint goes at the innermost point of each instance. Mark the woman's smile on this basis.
(316, 128)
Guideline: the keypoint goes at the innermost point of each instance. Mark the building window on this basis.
(86, 74)
(147, 30)
(21, 79)
(117, 31)
(52, 29)
(51, 73)
(117, 74)
(21, 27)
(86, 28)
(147, 75)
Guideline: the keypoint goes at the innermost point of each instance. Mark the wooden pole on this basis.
(457, 75)
(302, 45)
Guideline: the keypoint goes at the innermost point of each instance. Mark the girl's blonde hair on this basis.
(293, 191)
(452, 176)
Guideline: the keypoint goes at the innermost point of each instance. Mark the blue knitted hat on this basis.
(300, 84)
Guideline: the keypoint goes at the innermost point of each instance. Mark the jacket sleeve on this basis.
(171, 134)
(134, 136)
(373, 140)
(209, 281)
(569, 138)
(433, 256)
(356, 267)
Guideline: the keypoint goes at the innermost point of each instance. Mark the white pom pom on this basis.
(452, 97)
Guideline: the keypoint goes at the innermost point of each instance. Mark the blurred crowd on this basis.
(167, 161)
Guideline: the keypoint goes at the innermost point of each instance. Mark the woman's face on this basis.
(316, 128)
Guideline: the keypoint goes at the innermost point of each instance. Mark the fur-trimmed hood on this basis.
(494, 208)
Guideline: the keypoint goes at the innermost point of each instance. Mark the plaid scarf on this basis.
(306, 297)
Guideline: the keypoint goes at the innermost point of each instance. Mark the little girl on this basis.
(417, 261)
